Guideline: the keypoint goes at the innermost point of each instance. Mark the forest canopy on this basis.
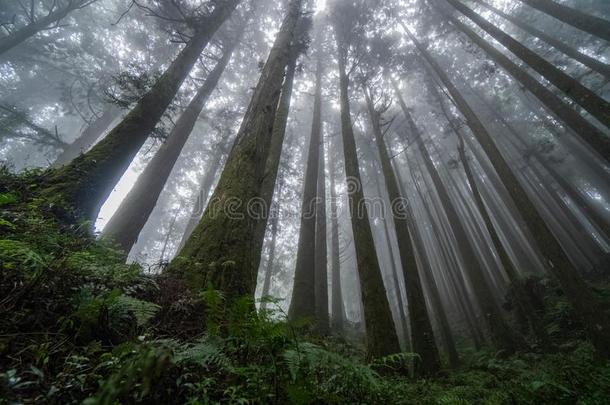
(304, 201)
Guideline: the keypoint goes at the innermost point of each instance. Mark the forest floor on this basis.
(77, 324)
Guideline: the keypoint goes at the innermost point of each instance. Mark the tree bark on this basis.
(89, 136)
(587, 307)
(588, 132)
(303, 302)
(321, 265)
(590, 62)
(85, 183)
(593, 25)
(36, 26)
(224, 249)
(422, 337)
(587, 99)
(132, 214)
(380, 329)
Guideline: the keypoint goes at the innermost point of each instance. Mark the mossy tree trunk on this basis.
(224, 249)
(422, 337)
(380, 329)
(588, 308)
(84, 184)
(88, 137)
(595, 26)
(132, 214)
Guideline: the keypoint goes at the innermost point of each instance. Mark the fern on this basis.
(205, 353)
(13, 252)
(143, 311)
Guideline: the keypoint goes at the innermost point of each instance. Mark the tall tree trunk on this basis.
(587, 99)
(88, 180)
(89, 136)
(168, 235)
(224, 249)
(590, 62)
(128, 220)
(500, 331)
(37, 25)
(338, 316)
(587, 131)
(380, 329)
(422, 337)
(595, 26)
(303, 302)
(321, 265)
(587, 307)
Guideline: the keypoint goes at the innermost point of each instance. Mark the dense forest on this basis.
(305, 201)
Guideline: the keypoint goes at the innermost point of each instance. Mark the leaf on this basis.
(8, 198)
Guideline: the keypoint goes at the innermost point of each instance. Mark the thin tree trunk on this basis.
(40, 24)
(590, 62)
(321, 265)
(380, 329)
(587, 99)
(89, 136)
(588, 308)
(498, 327)
(422, 337)
(85, 183)
(595, 26)
(224, 249)
(269, 268)
(132, 214)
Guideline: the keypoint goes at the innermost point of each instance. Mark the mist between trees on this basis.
(410, 175)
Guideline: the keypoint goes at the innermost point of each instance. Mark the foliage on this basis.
(78, 325)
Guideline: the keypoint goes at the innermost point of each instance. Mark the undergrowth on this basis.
(78, 325)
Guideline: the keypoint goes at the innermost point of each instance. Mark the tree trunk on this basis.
(595, 26)
(303, 302)
(590, 62)
(224, 249)
(587, 99)
(588, 132)
(337, 306)
(36, 26)
(85, 183)
(321, 266)
(90, 135)
(422, 337)
(588, 308)
(130, 217)
(269, 268)
(500, 331)
(380, 329)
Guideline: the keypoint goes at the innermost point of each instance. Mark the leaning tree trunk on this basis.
(224, 250)
(587, 131)
(338, 316)
(130, 217)
(90, 135)
(590, 62)
(85, 183)
(587, 307)
(41, 24)
(380, 329)
(587, 99)
(422, 337)
(303, 302)
(595, 26)
(500, 331)
(321, 265)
